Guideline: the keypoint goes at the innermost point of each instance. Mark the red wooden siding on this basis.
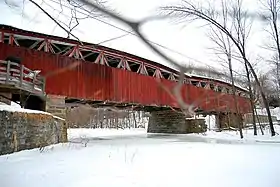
(98, 82)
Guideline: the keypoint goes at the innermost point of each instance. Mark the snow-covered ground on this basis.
(234, 136)
(132, 157)
(85, 133)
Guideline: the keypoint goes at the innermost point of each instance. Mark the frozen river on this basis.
(133, 158)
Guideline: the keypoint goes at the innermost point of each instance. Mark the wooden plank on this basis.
(3, 74)
(14, 70)
(3, 62)
(13, 63)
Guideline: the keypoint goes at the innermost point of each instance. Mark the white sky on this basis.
(189, 40)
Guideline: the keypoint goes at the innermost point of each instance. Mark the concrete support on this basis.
(227, 120)
(4, 99)
(56, 105)
(169, 121)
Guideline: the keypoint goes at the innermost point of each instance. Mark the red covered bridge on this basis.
(84, 72)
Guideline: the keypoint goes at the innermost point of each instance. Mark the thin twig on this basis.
(68, 32)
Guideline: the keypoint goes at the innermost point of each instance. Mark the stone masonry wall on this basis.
(168, 121)
(228, 120)
(19, 131)
(56, 105)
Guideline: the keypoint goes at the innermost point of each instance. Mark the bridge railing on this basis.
(18, 76)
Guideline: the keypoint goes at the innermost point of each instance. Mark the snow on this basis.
(210, 121)
(214, 78)
(234, 137)
(16, 108)
(273, 111)
(15, 105)
(134, 158)
(103, 133)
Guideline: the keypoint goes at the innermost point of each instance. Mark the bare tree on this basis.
(225, 49)
(80, 116)
(268, 87)
(191, 12)
(67, 14)
(242, 29)
(272, 8)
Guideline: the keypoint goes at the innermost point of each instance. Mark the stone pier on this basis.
(169, 121)
(227, 120)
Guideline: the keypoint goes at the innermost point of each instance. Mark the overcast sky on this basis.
(189, 39)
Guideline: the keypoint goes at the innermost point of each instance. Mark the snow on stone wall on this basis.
(25, 129)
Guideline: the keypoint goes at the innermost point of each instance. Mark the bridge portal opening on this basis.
(35, 103)
(27, 101)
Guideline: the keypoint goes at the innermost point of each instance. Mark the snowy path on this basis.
(131, 158)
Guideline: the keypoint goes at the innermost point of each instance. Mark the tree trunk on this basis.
(234, 96)
(258, 120)
(268, 114)
(266, 105)
(251, 99)
(134, 118)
